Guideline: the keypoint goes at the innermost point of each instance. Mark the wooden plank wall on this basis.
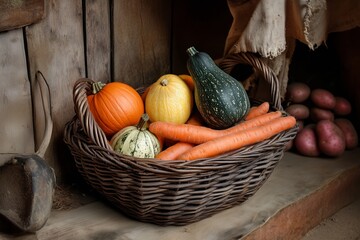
(102, 40)
(98, 40)
(16, 128)
(133, 41)
(142, 38)
(56, 48)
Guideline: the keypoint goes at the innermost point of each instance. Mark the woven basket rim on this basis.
(178, 165)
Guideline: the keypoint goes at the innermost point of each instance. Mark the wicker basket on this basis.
(172, 192)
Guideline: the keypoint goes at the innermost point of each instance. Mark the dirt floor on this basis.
(344, 225)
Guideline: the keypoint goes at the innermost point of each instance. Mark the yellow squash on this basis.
(169, 99)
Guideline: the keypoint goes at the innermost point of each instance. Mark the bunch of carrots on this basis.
(194, 141)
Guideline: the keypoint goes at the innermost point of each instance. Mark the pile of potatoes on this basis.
(323, 118)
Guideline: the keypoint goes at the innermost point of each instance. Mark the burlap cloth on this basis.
(271, 27)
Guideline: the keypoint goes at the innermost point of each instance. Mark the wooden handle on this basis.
(42, 87)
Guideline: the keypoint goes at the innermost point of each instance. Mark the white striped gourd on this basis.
(136, 141)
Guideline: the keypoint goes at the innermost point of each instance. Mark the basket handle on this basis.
(228, 62)
(81, 90)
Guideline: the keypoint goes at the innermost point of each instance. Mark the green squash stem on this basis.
(97, 86)
(142, 123)
(191, 51)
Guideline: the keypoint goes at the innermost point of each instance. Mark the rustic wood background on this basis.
(129, 41)
(133, 41)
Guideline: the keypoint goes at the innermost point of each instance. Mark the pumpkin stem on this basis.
(192, 51)
(164, 82)
(142, 123)
(97, 86)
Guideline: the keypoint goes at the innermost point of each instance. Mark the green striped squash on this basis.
(221, 99)
(136, 141)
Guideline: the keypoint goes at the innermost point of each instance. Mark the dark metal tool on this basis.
(26, 181)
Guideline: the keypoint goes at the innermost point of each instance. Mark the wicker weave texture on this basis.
(171, 192)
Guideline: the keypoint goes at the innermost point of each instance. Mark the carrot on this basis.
(258, 110)
(161, 141)
(195, 119)
(183, 132)
(174, 151)
(239, 139)
(256, 121)
(200, 134)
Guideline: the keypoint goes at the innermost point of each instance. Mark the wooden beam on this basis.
(16, 14)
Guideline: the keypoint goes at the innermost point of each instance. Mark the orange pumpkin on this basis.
(114, 106)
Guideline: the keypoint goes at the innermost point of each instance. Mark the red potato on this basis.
(318, 114)
(299, 111)
(290, 144)
(323, 99)
(351, 136)
(301, 124)
(342, 106)
(305, 142)
(297, 92)
(331, 139)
